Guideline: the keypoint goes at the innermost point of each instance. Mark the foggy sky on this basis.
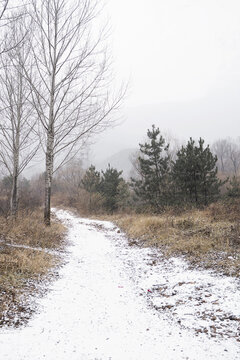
(183, 61)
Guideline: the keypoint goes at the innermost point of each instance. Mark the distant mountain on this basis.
(121, 161)
(214, 117)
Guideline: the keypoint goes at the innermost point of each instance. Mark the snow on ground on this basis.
(18, 246)
(118, 302)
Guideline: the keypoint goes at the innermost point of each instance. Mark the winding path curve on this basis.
(94, 311)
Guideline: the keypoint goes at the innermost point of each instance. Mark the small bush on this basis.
(225, 210)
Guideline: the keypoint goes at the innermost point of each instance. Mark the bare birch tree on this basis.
(221, 149)
(10, 12)
(228, 153)
(234, 156)
(71, 86)
(17, 138)
(3, 7)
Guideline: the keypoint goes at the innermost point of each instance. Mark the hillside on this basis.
(121, 161)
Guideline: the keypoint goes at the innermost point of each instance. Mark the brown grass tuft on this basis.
(28, 229)
(21, 266)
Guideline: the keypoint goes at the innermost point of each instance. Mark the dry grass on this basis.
(22, 268)
(29, 230)
(17, 262)
(201, 236)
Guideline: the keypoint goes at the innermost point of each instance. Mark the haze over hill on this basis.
(183, 66)
(210, 118)
(121, 161)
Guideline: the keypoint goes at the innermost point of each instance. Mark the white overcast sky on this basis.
(183, 61)
(175, 50)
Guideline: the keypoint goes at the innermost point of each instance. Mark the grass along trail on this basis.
(118, 302)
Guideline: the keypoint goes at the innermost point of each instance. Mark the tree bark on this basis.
(14, 196)
(48, 179)
(50, 136)
(14, 192)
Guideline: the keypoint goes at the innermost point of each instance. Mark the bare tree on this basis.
(17, 146)
(234, 156)
(3, 7)
(10, 12)
(174, 144)
(228, 153)
(221, 149)
(69, 177)
(135, 172)
(71, 84)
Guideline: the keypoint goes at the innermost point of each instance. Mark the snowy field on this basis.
(118, 302)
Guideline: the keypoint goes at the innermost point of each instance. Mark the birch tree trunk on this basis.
(50, 131)
(14, 196)
(14, 192)
(48, 179)
(16, 133)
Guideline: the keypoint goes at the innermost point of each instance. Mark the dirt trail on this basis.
(100, 308)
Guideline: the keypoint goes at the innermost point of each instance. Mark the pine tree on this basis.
(111, 178)
(91, 183)
(123, 197)
(195, 173)
(154, 167)
(91, 180)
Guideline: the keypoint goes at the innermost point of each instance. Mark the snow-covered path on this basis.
(94, 311)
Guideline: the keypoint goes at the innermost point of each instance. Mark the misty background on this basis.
(181, 59)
